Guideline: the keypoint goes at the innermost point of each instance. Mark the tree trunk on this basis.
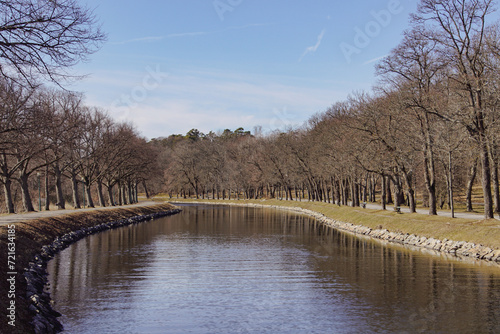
(345, 192)
(430, 184)
(470, 183)
(59, 192)
(384, 190)
(9, 204)
(124, 194)
(486, 179)
(128, 192)
(341, 192)
(120, 198)
(110, 195)
(432, 199)
(336, 185)
(88, 193)
(410, 192)
(146, 189)
(136, 196)
(25, 191)
(411, 200)
(429, 166)
(100, 195)
(397, 193)
(317, 191)
(46, 186)
(496, 188)
(388, 191)
(130, 197)
(450, 185)
(353, 192)
(328, 192)
(74, 188)
(373, 189)
(365, 189)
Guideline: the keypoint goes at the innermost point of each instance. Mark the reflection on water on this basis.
(246, 270)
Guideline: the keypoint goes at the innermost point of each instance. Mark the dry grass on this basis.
(485, 232)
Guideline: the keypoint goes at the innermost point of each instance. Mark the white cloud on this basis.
(312, 49)
(211, 100)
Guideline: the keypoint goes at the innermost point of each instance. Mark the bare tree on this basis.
(414, 69)
(14, 100)
(43, 38)
(460, 27)
(91, 148)
(65, 115)
(30, 146)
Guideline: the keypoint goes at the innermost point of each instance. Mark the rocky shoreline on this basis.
(36, 313)
(45, 317)
(457, 248)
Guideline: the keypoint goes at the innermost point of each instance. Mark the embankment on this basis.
(462, 249)
(26, 247)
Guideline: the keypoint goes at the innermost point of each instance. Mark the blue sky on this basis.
(170, 66)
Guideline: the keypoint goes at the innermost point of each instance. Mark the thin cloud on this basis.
(141, 39)
(374, 60)
(315, 47)
(189, 34)
(159, 38)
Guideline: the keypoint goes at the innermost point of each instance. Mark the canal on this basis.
(221, 269)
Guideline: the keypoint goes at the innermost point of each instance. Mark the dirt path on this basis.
(22, 217)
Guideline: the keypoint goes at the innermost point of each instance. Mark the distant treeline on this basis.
(430, 125)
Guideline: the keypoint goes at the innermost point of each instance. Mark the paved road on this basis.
(467, 215)
(15, 218)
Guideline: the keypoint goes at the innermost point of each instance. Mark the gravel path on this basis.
(22, 217)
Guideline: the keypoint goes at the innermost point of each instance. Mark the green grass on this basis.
(480, 231)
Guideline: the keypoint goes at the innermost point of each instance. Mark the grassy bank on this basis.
(479, 231)
(30, 236)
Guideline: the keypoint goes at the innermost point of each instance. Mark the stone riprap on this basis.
(45, 317)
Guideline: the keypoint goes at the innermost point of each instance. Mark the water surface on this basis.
(213, 269)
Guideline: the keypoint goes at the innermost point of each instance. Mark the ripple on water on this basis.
(246, 270)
